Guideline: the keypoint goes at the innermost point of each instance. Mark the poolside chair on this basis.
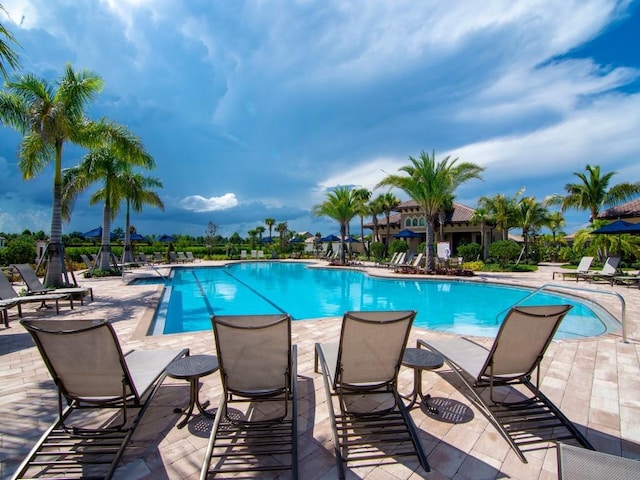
(243, 254)
(258, 369)
(386, 264)
(260, 255)
(575, 463)
(190, 257)
(98, 387)
(608, 271)
(35, 286)
(157, 257)
(87, 261)
(9, 298)
(517, 351)
(583, 268)
(181, 257)
(254, 254)
(413, 267)
(172, 257)
(360, 377)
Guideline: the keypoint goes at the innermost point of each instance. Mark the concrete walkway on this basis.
(595, 381)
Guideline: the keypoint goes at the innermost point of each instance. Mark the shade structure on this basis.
(618, 227)
(266, 240)
(136, 237)
(330, 238)
(296, 240)
(350, 239)
(406, 233)
(95, 233)
(167, 239)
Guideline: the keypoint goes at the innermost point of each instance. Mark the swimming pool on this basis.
(193, 294)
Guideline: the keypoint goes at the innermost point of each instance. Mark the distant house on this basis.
(629, 211)
(457, 228)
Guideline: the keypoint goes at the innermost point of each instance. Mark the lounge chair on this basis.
(98, 387)
(575, 463)
(35, 286)
(608, 271)
(9, 298)
(391, 261)
(413, 267)
(260, 255)
(583, 268)
(243, 254)
(190, 257)
(517, 351)
(87, 261)
(254, 254)
(258, 369)
(157, 257)
(181, 257)
(172, 257)
(360, 373)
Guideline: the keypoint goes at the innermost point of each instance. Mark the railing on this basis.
(546, 286)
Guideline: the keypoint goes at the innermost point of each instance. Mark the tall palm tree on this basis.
(388, 203)
(431, 184)
(530, 215)
(375, 208)
(502, 210)
(108, 166)
(253, 233)
(362, 196)
(341, 205)
(260, 230)
(137, 191)
(48, 116)
(592, 192)
(7, 54)
(282, 228)
(447, 206)
(270, 222)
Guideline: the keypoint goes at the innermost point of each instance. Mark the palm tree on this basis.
(602, 246)
(442, 215)
(555, 222)
(592, 192)
(137, 191)
(260, 230)
(375, 208)
(481, 216)
(530, 215)
(362, 196)
(105, 165)
(341, 205)
(388, 202)
(502, 210)
(270, 222)
(282, 228)
(48, 116)
(6, 51)
(252, 235)
(431, 185)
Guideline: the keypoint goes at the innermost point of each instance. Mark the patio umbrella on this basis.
(167, 239)
(296, 240)
(406, 233)
(136, 237)
(95, 233)
(266, 240)
(330, 238)
(350, 239)
(618, 227)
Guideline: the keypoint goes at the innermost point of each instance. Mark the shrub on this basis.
(377, 249)
(20, 250)
(504, 251)
(475, 266)
(398, 246)
(469, 251)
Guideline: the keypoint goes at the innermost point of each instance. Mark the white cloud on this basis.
(197, 203)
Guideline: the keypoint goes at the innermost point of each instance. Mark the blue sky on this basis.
(254, 109)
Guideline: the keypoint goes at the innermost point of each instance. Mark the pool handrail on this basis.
(623, 307)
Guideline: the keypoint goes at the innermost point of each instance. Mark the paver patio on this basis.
(595, 381)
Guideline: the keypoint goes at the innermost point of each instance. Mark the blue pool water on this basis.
(192, 295)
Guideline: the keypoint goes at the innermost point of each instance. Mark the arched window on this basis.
(422, 221)
(415, 222)
(407, 222)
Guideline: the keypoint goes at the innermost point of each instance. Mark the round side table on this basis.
(420, 359)
(192, 368)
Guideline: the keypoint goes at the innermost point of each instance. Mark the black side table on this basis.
(420, 359)
(191, 368)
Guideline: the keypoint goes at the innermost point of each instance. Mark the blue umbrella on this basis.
(406, 233)
(167, 239)
(330, 238)
(296, 240)
(95, 233)
(619, 227)
(350, 239)
(136, 237)
(266, 240)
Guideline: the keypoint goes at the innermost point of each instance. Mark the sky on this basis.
(256, 109)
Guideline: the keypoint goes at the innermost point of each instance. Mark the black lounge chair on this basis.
(517, 351)
(258, 368)
(98, 387)
(360, 374)
(35, 286)
(575, 463)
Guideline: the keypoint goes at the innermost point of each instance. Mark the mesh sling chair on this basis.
(575, 463)
(258, 368)
(360, 377)
(517, 351)
(98, 386)
(35, 286)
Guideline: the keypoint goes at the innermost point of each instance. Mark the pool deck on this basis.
(594, 381)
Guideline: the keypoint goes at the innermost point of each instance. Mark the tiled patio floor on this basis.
(595, 381)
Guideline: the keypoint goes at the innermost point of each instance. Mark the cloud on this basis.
(199, 203)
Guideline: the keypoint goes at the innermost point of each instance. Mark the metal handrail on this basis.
(623, 305)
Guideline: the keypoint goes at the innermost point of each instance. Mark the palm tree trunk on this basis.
(105, 256)
(53, 277)
(365, 250)
(430, 262)
(386, 247)
(127, 256)
(343, 232)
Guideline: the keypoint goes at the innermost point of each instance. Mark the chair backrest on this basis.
(524, 336)
(393, 257)
(584, 265)
(172, 256)
(29, 276)
(400, 259)
(243, 254)
(190, 256)
(6, 289)
(88, 263)
(83, 357)
(254, 353)
(371, 347)
(610, 266)
(417, 260)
